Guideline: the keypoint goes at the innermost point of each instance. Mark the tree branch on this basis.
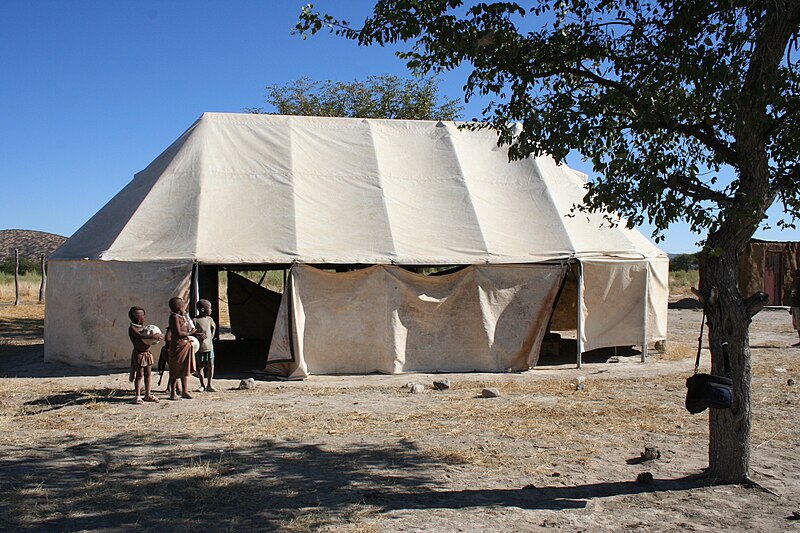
(786, 181)
(705, 135)
(697, 190)
(755, 303)
(700, 132)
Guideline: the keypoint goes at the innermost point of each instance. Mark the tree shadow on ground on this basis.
(54, 402)
(532, 498)
(21, 329)
(27, 361)
(773, 345)
(184, 483)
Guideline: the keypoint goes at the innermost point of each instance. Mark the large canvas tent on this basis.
(267, 191)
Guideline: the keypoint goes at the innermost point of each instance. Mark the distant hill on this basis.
(31, 244)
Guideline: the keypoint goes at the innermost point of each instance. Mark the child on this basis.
(181, 357)
(141, 357)
(205, 357)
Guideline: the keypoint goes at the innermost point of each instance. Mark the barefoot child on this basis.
(181, 356)
(205, 357)
(141, 358)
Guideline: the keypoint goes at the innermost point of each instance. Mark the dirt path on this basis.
(360, 453)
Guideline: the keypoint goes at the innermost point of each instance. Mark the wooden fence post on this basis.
(44, 281)
(16, 275)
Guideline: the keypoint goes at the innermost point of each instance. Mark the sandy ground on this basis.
(361, 453)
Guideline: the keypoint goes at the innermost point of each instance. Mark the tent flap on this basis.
(386, 319)
(624, 303)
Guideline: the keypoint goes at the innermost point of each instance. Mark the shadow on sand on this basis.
(27, 361)
(159, 483)
(21, 329)
(54, 402)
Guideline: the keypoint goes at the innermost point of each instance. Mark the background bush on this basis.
(25, 265)
(683, 262)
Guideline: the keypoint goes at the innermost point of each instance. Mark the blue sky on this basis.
(95, 90)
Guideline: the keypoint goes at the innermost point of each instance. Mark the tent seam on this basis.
(463, 178)
(379, 175)
(292, 176)
(572, 249)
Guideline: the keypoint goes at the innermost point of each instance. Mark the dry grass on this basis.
(28, 288)
(20, 324)
(681, 282)
(677, 351)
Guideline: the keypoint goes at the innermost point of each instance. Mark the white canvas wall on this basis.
(620, 297)
(86, 317)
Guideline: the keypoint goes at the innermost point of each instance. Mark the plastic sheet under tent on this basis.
(241, 191)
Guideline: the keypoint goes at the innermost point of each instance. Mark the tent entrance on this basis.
(245, 306)
(560, 343)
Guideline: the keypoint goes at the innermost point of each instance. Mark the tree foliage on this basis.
(684, 262)
(382, 96)
(25, 265)
(660, 96)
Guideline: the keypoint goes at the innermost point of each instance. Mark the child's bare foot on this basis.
(211, 388)
(187, 396)
(138, 400)
(173, 397)
(151, 398)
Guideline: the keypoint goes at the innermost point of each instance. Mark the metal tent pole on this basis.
(644, 313)
(194, 290)
(579, 329)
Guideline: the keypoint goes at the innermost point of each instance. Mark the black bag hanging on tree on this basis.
(706, 390)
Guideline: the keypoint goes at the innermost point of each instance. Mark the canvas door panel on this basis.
(385, 319)
(614, 293)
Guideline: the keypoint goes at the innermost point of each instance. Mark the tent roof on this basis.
(255, 189)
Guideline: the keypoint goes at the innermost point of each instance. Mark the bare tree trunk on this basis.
(16, 276)
(729, 429)
(43, 285)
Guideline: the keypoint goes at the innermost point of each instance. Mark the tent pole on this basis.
(194, 290)
(579, 332)
(644, 312)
